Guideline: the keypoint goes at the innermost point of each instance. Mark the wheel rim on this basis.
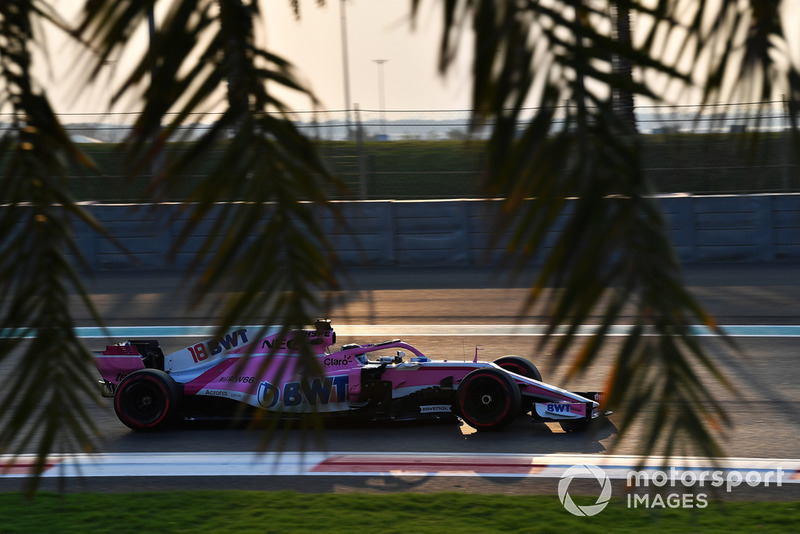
(144, 402)
(487, 400)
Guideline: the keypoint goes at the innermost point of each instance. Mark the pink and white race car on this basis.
(212, 378)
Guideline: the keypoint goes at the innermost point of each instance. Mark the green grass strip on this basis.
(261, 512)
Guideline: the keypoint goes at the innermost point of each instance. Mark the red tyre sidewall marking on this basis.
(505, 409)
(164, 413)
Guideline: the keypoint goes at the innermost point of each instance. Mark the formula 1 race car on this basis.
(213, 378)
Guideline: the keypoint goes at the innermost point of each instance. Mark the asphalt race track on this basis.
(485, 306)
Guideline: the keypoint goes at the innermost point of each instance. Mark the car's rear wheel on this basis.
(488, 399)
(147, 399)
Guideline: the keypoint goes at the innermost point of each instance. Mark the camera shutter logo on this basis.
(584, 471)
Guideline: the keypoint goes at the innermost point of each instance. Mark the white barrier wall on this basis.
(740, 228)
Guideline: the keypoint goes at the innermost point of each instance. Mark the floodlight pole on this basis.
(345, 69)
(381, 94)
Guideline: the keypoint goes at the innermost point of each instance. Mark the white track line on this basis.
(293, 463)
(406, 331)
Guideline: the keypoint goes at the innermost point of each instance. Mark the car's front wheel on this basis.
(523, 367)
(488, 399)
(519, 365)
(146, 399)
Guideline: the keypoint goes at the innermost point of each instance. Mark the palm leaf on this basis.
(574, 172)
(45, 401)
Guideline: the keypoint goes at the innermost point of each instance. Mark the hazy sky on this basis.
(376, 29)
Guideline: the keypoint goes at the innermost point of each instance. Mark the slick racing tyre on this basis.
(488, 399)
(147, 399)
(519, 365)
